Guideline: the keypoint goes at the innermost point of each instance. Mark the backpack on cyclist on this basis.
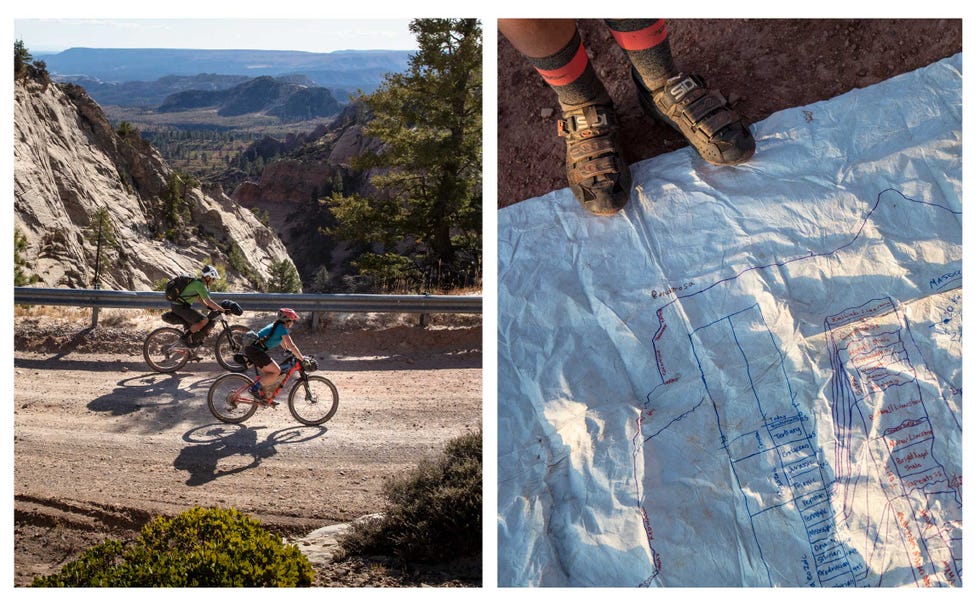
(248, 339)
(176, 286)
(252, 338)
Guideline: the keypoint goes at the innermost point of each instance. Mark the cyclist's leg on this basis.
(200, 324)
(195, 319)
(268, 369)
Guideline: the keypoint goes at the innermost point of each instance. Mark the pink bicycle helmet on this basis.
(287, 314)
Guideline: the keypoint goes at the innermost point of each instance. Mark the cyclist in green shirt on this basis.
(197, 289)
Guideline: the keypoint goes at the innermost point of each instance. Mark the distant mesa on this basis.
(276, 97)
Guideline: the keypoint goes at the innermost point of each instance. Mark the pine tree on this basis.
(22, 58)
(429, 120)
(283, 278)
(101, 233)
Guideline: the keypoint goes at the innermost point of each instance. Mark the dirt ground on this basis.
(102, 444)
(761, 65)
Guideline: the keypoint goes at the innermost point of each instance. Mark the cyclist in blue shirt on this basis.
(270, 337)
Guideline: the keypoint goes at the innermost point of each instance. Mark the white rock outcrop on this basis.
(69, 162)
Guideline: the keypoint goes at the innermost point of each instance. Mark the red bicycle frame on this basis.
(283, 379)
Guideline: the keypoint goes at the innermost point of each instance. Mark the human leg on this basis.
(195, 320)
(537, 37)
(268, 369)
(684, 101)
(270, 372)
(199, 325)
(597, 174)
(555, 50)
(647, 46)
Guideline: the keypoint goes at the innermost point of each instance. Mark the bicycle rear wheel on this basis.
(228, 344)
(164, 351)
(313, 402)
(229, 399)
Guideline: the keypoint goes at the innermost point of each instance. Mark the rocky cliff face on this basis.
(310, 162)
(69, 162)
(310, 166)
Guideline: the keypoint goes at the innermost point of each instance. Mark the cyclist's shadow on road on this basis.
(215, 442)
(147, 391)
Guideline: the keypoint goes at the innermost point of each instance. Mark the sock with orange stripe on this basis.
(647, 47)
(570, 74)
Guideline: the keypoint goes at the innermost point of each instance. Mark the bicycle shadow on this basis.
(215, 442)
(147, 391)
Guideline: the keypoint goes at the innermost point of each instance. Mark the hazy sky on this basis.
(311, 35)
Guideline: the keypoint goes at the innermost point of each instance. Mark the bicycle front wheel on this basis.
(313, 401)
(164, 351)
(229, 399)
(229, 344)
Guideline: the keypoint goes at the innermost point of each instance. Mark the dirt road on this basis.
(102, 444)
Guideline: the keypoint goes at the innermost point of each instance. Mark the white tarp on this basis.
(751, 376)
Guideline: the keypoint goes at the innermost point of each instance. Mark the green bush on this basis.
(21, 266)
(124, 129)
(199, 548)
(432, 514)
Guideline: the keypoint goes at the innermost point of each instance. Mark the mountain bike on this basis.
(313, 400)
(165, 350)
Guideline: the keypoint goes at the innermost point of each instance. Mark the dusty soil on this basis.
(102, 444)
(760, 65)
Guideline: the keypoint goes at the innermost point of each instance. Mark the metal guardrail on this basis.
(429, 304)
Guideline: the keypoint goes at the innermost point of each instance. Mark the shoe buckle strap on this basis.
(602, 165)
(590, 118)
(591, 147)
(705, 106)
(717, 122)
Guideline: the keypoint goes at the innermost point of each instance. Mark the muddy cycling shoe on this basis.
(702, 115)
(597, 173)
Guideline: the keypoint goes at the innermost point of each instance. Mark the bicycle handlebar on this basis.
(291, 358)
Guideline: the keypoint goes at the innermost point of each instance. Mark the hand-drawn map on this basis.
(751, 376)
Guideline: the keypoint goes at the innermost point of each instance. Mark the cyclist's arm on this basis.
(202, 294)
(288, 343)
(197, 290)
(210, 303)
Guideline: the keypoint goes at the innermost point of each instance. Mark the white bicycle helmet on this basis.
(209, 271)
